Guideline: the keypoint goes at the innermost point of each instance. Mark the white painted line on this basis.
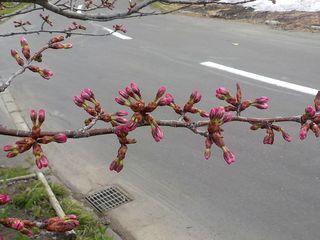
(279, 83)
(79, 8)
(116, 34)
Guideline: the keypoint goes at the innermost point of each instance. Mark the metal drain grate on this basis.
(108, 198)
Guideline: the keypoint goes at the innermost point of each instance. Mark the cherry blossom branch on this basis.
(57, 31)
(85, 133)
(133, 10)
(28, 60)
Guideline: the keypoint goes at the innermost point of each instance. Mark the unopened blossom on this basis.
(195, 97)
(78, 101)
(17, 57)
(160, 93)
(222, 93)
(315, 129)
(56, 39)
(228, 156)
(166, 100)
(262, 100)
(269, 138)
(310, 111)
(41, 116)
(135, 89)
(25, 48)
(304, 130)
(60, 138)
(59, 45)
(4, 199)
(286, 136)
(157, 133)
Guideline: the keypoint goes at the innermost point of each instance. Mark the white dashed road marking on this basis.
(260, 78)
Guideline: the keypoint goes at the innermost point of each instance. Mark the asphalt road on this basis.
(271, 192)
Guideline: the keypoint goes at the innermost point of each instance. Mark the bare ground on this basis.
(293, 20)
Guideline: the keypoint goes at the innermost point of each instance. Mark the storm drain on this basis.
(108, 198)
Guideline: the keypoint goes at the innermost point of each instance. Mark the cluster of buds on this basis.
(131, 97)
(75, 26)
(46, 19)
(45, 73)
(21, 24)
(270, 132)
(218, 116)
(92, 106)
(194, 98)
(61, 225)
(4, 199)
(35, 140)
(25, 51)
(119, 28)
(22, 226)
(55, 43)
(236, 103)
(310, 120)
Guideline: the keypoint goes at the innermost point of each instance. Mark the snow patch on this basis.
(282, 5)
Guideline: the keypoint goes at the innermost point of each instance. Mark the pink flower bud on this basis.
(17, 57)
(60, 138)
(89, 92)
(123, 94)
(17, 225)
(262, 100)
(286, 136)
(121, 120)
(120, 101)
(59, 45)
(166, 100)
(261, 106)
(23, 41)
(315, 129)
(41, 116)
(121, 113)
(216, 113)
(85, 96)
(4, 199)
(78, 101)
(8, 148)
(222, 93)
(310, 111)
(204, 114)
(42, 162)
(195, 97)
(34, 68)
(161, 92)
(72, 216)
(228, 156)
(12, 154)
(269, 138)
(56, 39)
(119, 167)
(33, 116)
(135, 89)
(46, 74)
(304, 130)
(157, 133)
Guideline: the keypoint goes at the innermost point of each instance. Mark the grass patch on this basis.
(11, 7)
(30, 201)
(6, 173)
